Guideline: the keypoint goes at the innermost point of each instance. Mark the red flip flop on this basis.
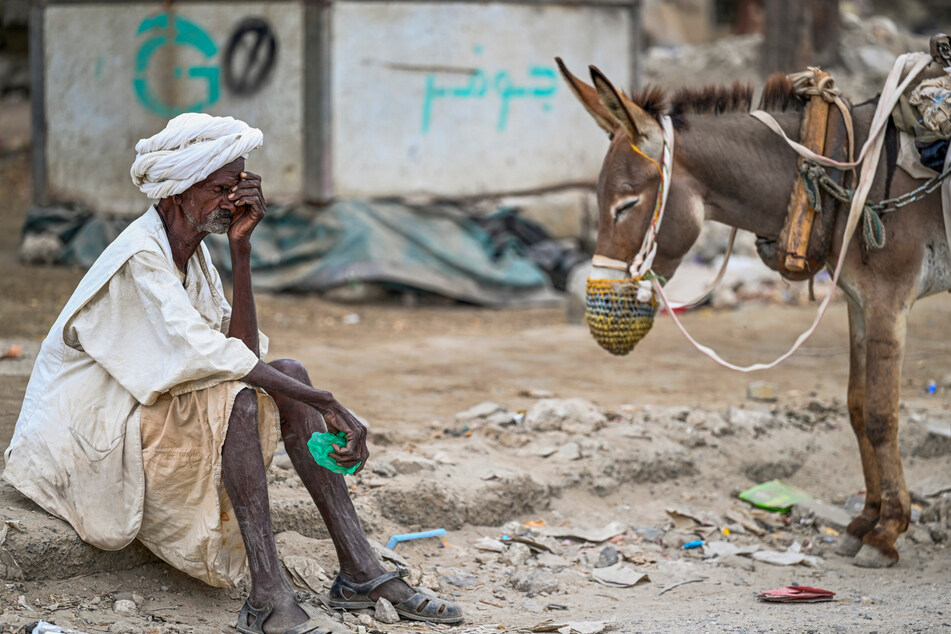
(796, 594)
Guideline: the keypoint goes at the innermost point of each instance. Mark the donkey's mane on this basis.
(778, 95)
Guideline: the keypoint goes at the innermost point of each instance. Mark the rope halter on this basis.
(620, 312)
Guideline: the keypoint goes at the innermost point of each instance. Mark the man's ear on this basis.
(642, 128)
(588, 97)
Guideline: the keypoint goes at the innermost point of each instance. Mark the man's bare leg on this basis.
(358, 563)
(245, 480)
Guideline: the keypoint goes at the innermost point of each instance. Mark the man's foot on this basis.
(282, 616)
(408, 603)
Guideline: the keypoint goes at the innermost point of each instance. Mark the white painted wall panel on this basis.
(462, 99)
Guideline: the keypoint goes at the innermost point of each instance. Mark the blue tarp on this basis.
(436, 248)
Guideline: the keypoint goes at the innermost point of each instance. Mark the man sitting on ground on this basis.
(146, 414)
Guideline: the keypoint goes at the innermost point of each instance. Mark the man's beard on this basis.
(218, 222)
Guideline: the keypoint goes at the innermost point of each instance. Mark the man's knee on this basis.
(245, 406)
(291, 368)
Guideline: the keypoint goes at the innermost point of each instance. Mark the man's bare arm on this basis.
(250, 209)
(337, 417)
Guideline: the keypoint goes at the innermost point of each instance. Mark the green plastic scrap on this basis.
(321, 446)
(774, 495)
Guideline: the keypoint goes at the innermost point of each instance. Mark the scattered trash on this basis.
(671, 586)
(796, 594)
(932, 387)
(688, 519)
(722, 549)
(535, 545)
(351, 319)
(618, 576)
(534, 523)
(792, 556)
(572, 627)
(697, 543)
(595, 535)
(405, 537)
(744, 520)
(774, 495)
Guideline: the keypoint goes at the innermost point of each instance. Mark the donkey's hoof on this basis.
(871, 557)
(848, 545)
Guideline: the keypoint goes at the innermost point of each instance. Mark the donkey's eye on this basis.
(625, 206)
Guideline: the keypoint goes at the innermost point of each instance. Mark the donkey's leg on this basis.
(885, 346)
(851, 541)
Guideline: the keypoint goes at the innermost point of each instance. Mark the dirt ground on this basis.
(409, 370)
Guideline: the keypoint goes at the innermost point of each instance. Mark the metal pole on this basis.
(318, 104)
(38, 104)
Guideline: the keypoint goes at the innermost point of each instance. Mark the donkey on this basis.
(732, 169)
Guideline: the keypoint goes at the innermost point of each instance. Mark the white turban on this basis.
(192, 146)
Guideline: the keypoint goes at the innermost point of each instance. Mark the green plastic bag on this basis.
(321, 446)
(774, 495)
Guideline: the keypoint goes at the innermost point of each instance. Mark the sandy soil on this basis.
(409, 370)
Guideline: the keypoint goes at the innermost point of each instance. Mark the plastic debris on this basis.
(796, 594)
(321, 446)
(589, 535)
(618, 576)
(792, 556)
(13, 352)
(405, 537)
(697, 543)
(774, 495)
(572, 627)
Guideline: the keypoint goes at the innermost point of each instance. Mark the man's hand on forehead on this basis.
(248, 199)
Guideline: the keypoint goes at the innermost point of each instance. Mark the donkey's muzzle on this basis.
(616, 318)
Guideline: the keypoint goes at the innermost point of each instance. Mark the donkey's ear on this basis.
(641, 127)
(588, 97)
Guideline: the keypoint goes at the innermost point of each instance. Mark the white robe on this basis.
(77, 449)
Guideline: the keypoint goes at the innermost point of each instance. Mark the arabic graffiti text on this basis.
(541, 86)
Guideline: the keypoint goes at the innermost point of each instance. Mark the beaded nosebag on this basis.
(620, 312)
(618, 320)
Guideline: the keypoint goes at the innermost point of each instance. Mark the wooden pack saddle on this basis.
(806, 238)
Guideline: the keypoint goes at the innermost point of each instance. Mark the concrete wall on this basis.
(448, 99)
(461, 99)
(117, 73)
